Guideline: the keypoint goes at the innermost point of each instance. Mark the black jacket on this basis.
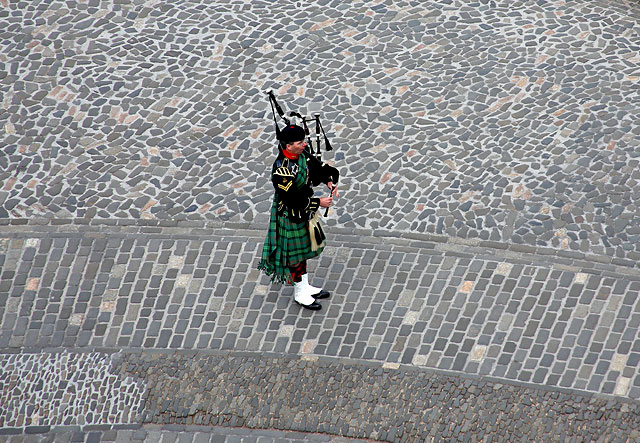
(299, 201)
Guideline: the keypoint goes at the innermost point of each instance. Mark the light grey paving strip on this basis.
(526, 322)
(360, 238)
(172, 434)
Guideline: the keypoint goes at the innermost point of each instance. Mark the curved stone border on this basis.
(166, 434)
(615, 264)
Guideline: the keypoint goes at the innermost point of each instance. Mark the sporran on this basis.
(316, 233)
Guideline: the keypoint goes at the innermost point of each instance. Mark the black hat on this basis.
(291, 134)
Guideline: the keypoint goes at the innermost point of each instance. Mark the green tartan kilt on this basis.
(287, 244)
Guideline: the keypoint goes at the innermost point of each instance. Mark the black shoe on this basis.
(315, 306)
(322, 294)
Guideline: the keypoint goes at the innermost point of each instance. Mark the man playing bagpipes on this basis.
(295, 233)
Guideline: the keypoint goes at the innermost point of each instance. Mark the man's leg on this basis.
(298, 271)
(317, 292)
(303, 294)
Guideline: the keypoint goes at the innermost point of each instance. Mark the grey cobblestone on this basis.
(33, 381)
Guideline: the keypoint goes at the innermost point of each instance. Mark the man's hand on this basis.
(325, 202)
(333, 189)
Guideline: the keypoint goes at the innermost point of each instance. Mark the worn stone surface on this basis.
(368, 402)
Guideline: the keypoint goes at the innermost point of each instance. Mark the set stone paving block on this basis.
(530, 321)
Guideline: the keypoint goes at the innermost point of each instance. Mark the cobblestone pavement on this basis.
(483, 257)
(496, 120)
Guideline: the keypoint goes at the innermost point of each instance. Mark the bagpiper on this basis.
(295, 231)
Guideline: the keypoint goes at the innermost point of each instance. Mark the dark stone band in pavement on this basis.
(258, 397)
(362, 400)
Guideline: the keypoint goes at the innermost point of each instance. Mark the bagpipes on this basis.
(275, 107)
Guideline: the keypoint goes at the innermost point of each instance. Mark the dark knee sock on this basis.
(298, 271)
